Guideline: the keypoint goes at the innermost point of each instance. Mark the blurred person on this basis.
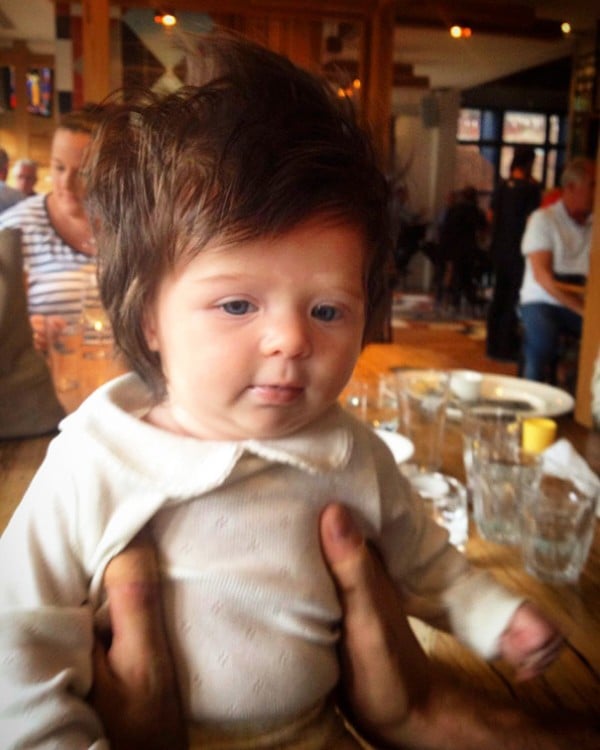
(25, 176)
(551, 196)
(8, 196)
(556, 245)
(56, 236)
(461, 238)
(512, 202)
(243, 242)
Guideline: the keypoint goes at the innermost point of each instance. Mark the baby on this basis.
(243, 244)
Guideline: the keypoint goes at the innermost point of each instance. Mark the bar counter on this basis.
(572, 684)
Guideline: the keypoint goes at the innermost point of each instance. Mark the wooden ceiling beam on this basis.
(309, 9)
(512, 19)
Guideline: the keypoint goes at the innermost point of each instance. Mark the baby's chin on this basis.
(263, 424)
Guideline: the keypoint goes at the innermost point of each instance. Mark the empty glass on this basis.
(557, 527)
(373, 401)
(423, 397)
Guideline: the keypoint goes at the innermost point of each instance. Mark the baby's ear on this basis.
(150, 330)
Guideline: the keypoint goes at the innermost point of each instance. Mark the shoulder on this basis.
(30, 211)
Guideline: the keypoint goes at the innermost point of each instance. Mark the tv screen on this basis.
(40, 91)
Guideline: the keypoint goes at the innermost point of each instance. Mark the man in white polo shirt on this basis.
(556, 246)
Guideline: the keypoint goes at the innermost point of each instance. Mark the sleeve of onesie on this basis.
(46, 624)
(437, 581)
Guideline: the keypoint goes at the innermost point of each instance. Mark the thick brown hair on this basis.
(251, 150)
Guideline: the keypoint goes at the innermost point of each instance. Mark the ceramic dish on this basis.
(524, 396)
(401, 447)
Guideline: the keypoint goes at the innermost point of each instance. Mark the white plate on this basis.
(401, 447)
(526, 396)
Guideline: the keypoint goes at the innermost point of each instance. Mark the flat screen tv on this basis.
(40, 91)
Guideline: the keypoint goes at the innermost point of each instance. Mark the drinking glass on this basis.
(64, 335)
(423, 398)
(495, 428)
(373, 401)
(497, 470)
(557, 527)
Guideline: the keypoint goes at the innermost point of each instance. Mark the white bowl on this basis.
(401, 447)
(466, 384)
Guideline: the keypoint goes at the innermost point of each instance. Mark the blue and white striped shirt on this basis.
(57, 273)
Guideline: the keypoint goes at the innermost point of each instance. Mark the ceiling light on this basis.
(565, 27)
(165, 19)
(458, 31)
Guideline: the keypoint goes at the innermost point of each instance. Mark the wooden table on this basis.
(573, 683)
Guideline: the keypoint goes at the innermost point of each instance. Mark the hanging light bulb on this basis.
(167, 19)
(458, 31)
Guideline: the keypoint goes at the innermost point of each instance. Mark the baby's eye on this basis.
(238, 307)
(326, 313)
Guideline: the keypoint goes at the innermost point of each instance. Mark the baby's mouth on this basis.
(277, 394)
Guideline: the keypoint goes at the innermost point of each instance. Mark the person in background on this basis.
(8, 196)
(243, 242)
(461, 239)
(556, 246)
(25, 176)
(57, 240)
(551, 196)
(512, 202)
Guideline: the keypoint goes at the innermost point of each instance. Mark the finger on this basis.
(132, 583)
(384, 668)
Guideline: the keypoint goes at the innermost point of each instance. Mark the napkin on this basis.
(562, 460)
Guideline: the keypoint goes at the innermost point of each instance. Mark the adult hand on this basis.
(135, 687)
(38, 327)
(44, 326)
(397, 698)
(385, 672)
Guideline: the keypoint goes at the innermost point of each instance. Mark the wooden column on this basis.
(377, 74)
(590, 341)
(21, 62)
(96, 49)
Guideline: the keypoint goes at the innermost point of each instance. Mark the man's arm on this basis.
(398, 698)
(541, 266)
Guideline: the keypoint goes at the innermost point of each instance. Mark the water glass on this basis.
(493, 429)
(64, 335)
(423, 398)
(97, 331)
(557, 528)
(373, 401)
(500, 483)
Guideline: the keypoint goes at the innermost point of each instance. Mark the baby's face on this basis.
(256, 340)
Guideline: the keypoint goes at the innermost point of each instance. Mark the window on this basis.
(486, 140)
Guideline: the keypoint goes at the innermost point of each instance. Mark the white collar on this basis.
(184, 467)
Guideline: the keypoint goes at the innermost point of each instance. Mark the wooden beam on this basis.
(377, 72)
(319, 9)
(96, 49)
(512, 19)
